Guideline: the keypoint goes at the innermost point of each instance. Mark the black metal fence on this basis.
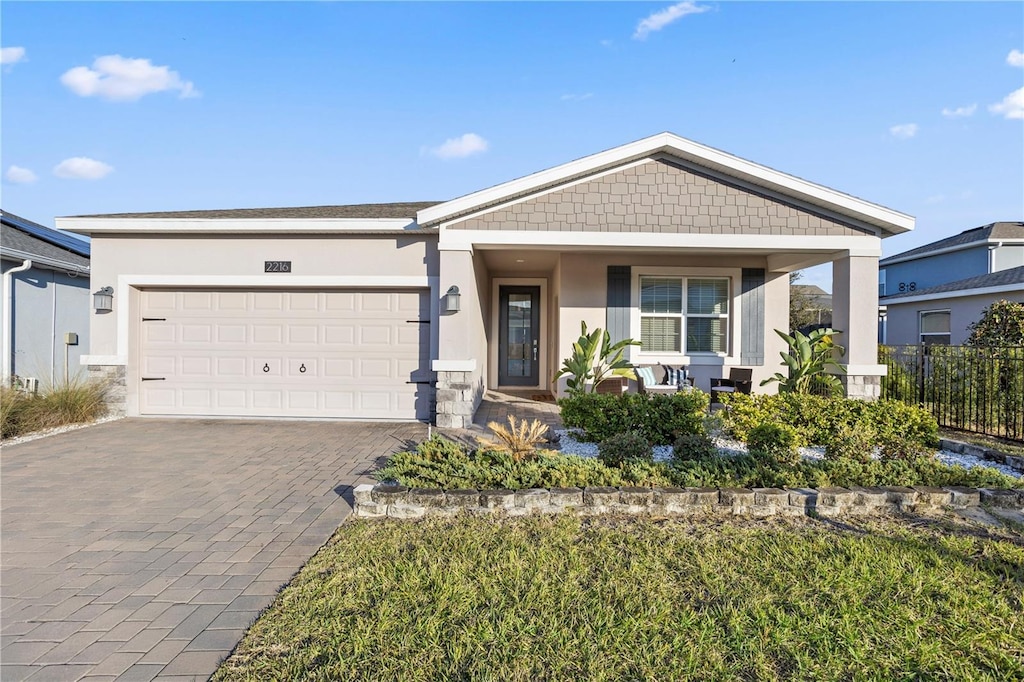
(973, 389)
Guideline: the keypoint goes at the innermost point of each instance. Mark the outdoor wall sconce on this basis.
(103, 300)
(451, 299)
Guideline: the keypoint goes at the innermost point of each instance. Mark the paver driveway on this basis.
(144, 548)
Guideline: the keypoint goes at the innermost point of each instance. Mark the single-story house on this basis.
(45, 307)
(411, 311)
(931, 294)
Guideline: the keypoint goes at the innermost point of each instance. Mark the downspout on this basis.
(53, 328)
(8, 321)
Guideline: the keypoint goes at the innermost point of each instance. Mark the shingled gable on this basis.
(671, 166)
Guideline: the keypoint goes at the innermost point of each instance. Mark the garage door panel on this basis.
(358, 350)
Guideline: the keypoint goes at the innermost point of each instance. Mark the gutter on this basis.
(37, 260)
(8, 328)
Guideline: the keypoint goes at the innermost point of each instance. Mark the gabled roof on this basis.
(368, 211)
(888, 221)
(993, 232)
(22, 239)
(1011, 279)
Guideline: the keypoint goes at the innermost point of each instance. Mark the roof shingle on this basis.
(994, 279)
(365, 211)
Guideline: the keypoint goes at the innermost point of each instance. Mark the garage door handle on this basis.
(419, 382)
(154, 378)
(154, 319)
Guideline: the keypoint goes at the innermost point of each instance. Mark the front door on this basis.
(519, 336)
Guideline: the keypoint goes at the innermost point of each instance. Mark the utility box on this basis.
(70, 339)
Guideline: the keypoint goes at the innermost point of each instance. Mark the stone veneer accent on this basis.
(656, 196)
(457, 399)
(400, 502)
(117, 388)
(865, 387)
(1013, 461)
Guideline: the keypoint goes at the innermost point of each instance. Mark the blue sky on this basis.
(113, 107)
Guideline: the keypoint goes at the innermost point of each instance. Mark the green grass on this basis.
(564, 598)
(72, 402)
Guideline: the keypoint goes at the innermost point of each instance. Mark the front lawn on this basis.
(564, 598)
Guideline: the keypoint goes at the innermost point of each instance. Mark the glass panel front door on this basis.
(519, 336)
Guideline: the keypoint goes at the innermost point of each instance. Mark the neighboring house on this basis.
(362, 311)
(45, 298)
(931, 294)
(819, 304)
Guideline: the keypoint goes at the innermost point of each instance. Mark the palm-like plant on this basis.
(595, 358)
(519, 439)
(809, 358)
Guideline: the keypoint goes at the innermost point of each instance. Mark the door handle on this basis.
(535, 350)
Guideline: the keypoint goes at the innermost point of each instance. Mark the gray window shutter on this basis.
(752, 317)
(618, 302)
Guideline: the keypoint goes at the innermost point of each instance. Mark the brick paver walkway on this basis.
(143, 548)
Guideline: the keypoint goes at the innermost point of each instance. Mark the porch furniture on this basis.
(650, 380)
(740, 381)
(613, 385)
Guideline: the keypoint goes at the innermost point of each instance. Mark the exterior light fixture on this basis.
(451, 299)
(103, 300)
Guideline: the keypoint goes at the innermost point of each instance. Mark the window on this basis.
(935, 328)
(694, 309)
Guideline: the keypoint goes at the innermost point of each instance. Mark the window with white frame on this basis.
(684, 314)
(935, 327)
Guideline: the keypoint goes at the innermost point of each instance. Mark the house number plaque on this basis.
(277, 266)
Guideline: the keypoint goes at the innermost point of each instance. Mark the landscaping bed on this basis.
(566, 598)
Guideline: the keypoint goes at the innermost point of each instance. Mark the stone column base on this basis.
(861, 386)
(116, 395)
(457, 398)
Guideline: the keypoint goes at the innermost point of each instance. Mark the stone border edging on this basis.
(400, 502)
(1013, 461)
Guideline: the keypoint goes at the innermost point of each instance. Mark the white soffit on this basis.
(890, 221)
(239, 225)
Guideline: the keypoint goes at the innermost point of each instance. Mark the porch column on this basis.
(855, 314)
(462, 341)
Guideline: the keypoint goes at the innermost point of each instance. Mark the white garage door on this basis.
(353, 354)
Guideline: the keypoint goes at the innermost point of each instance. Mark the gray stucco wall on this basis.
(656, 196)
(902, 326)
(935, 270)
(46, 305)
(1006, 257)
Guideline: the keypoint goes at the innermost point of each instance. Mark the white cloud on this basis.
(460, 147)
(904, 131)
(935, 199)
(116, 78)
(11, 55)
(960, 112)
(662, 18)
(1015, 58)
(19, 175)
(1012, 105)
(574, 97)
(82, 168)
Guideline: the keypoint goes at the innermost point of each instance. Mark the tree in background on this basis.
(803, 309)
(1001, 324)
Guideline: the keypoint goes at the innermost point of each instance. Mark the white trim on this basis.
(125, 283)
(735, 277)
(454, 365)
(49, 263)
(113, 225)
(103, 360)
(866, 370)
(866, 245)
(986, 243)
(959, 293)
(893, 221)
(542, 350)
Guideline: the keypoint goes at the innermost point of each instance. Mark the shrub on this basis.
(779, 441)
(899, 448)
(520, 440)
(693, 446)
(625, 448)
(851, 443)
(659, 418)
(72, 402)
